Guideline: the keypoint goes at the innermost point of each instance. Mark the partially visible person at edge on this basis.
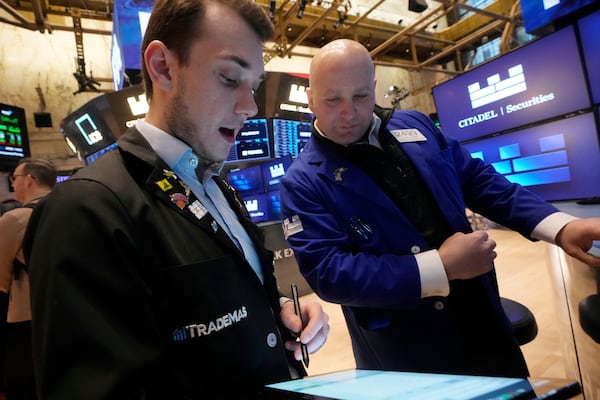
(31, 180)
(374, 209)
(149, 280)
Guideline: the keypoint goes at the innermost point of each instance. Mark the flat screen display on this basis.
(94, 156)
(527, 85)
(130, 18)
(125, 107)
(283, 95)
(257, 206)
(273, 170)
(589, 32)
(559, 160)
(247, 180)
(379, 385)
(252, 142)
(99, 122)
(274, 205)
(14, 139)
(88, 129)
(538, 14)
(290, 136)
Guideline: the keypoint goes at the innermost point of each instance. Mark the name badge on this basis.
(408, 135)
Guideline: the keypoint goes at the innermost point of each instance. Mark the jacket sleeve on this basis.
(80, 263)
(492, 195)
(477, 185)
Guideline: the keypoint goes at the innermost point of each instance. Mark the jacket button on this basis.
(438, 305)
(271, 340)
(415, 249)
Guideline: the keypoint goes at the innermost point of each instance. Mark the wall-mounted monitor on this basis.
(130, 19)
(540, 14)
(559, 160)
(125, 107)
(273, 170)
(589, 32)
(527, 85)
(252, 142)
(257, 206)
(274, 205)
(247, 180)
(290, 136)
(94, 156)
(99, 122)
(14, 138)
(87, 128)
(283, 95)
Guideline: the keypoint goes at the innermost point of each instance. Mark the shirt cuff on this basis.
(434, 281)
(549, 227)
(283, 300)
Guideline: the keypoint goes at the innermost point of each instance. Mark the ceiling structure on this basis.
(431, 38)
(425, 40)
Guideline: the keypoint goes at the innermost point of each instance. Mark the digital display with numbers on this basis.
(14, 140)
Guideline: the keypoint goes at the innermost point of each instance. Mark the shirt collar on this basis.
(175, 152)
(372, 136)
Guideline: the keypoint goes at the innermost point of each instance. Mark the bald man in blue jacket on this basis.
(374, 209)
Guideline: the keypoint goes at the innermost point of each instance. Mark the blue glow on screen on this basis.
(247, 180)
(538, 14)
(589, 32)
(559, 160)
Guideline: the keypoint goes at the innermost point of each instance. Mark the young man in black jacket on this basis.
(149, 280)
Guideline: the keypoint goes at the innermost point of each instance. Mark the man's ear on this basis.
(159, 62)
(309, 97)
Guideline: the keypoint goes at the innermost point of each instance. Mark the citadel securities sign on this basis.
(517, 89)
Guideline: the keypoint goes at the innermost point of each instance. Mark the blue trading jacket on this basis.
(356, 248)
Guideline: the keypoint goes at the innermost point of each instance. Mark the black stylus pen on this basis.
(299, 314)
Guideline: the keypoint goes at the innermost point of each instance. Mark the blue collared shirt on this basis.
(180, 157)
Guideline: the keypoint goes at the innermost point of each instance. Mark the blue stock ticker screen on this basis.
(290, 136)
(559, 160)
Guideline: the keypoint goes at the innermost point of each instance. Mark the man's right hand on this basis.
(467, 255)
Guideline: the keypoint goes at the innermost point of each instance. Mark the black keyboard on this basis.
(589, 200)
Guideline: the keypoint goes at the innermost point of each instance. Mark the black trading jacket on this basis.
(134, 297)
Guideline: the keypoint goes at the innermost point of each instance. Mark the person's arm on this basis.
(577, 237)
(93, 331)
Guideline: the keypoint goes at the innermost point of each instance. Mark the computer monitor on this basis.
(14, 138)
(273, 170)
(94, 156)
(515, 90)
(274, 205)
(558, 161)
(589, 32)
(360, 384)
(290, 136)
(257, 206)
(248, 180)
(539, 15)
(252, 142)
